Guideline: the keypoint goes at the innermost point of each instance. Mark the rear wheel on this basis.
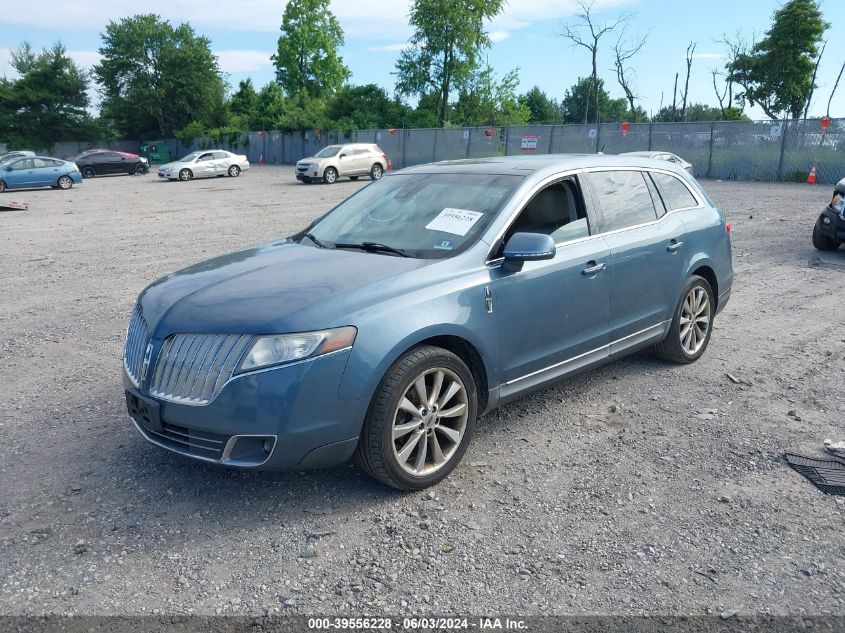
(88, 172)
(186, 174)
(823, 242)
(330, 176)
(2, 186)
(65, 182)
(234, 171)
(420, 421)
(692, 324)
(376, 172)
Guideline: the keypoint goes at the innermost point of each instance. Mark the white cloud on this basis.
(85, 59)
(389, 48)
(499, 36)
(232, 61)
(707, 56)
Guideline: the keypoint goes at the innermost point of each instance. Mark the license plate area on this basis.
(144, 411)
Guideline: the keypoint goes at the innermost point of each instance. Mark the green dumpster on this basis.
(156, 152)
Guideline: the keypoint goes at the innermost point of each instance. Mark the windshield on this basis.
(328, 152)
(427, 215)
(189, 158)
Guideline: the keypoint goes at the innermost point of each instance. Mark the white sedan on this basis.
(205, 164)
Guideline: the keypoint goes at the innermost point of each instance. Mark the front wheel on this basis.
(823, 242)
(186, 174)
(234, 171)
(376, 172)
(65, 182)
(88, 172)
(692, 323)
(330, 176)
(420, 421)
(140, 169)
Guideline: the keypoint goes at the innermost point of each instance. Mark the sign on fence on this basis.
(529, 142)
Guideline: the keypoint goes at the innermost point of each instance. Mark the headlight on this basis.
(267, 351)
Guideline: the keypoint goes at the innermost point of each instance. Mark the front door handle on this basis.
(594, 269)
(674, 246)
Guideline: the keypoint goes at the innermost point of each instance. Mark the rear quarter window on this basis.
(675, 194)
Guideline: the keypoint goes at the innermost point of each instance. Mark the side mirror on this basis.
(528, 247)
(342, 156)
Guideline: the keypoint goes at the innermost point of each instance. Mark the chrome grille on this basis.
(192, 368)
(136, 344)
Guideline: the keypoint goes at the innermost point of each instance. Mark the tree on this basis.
(157, 78)
(776, 73)
(245, 100)
(576, 103)
(587, 34)
(541, 108)
(690, 54)
(622, 53)
(490, 101)
(307, 61)
(361, 107)
(447, 40)
(48, 102)
(700, 112)
(269, 108)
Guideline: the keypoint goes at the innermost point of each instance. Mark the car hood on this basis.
(175, 165)
(277, 287)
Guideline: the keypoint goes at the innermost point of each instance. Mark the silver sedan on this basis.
(205, 164)
(672, 158)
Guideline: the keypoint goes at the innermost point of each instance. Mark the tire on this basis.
(677, 346)
(376, 172)
(395, 461)
(88, 172)
(186, 174)
(234, 171)
(64, 182)
(353, 177)
(139, 169)
(823, 242)
(330, 176)
(2, 186)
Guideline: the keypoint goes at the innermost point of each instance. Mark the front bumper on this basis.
(831, 225)
(290, 417)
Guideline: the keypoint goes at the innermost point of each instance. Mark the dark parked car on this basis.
(104, 162)
(386, 327)
(829, 230)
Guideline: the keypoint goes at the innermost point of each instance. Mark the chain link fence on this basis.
(769, 151)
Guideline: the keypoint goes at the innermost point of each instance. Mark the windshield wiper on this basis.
(311, 237)
(374, 247)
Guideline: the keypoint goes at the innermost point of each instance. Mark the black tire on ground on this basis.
(186, 174)
(139, 169)
(234, 171)
(88, 172)
(375, 450)
(376, 172)
(2, 186)
(64, 182)
(671, 347)
(823, 242)
(330, 176)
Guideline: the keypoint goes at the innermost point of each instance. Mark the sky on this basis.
(526, 36)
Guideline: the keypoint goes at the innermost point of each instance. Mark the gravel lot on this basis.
(642, 487)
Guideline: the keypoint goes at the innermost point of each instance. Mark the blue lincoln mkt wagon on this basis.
(386, 327)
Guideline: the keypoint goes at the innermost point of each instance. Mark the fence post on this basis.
(434, 152)
(404, 144)
(551, 138)
(507, 139)
(598, 135)
(469, 141)
(783, 129)
(710, 157)
(650, 132)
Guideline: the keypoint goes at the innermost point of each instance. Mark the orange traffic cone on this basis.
(261, 162)
(811, 178)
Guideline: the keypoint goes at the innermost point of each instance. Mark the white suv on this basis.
(352, 160)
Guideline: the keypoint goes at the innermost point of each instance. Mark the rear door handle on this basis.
(674, 245)
(594, 269)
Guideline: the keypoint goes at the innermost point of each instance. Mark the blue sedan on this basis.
(38, 171)
(386, 327)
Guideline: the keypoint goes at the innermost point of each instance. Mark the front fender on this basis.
(385, 338)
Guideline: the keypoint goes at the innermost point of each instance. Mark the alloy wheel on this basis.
(65, 182)
(430, 421)
(695, 320)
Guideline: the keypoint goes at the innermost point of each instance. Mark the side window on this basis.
(220, 156)
(675, 193)
(655, 196)
(558, 210)
(624, 199)
(208, 156)
(26, 163)
(39, 162)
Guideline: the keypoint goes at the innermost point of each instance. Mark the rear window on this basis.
(624, 199)
(675, 194)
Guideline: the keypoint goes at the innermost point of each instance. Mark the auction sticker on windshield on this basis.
(455, 221)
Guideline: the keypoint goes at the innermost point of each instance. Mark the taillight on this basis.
(387, 162)
(727, 227)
